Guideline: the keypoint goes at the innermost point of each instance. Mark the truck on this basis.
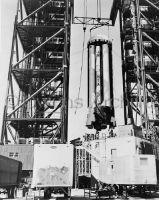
(10, 172)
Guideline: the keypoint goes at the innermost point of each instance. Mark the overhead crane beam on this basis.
(92, 21)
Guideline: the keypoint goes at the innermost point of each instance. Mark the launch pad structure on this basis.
(36, 105)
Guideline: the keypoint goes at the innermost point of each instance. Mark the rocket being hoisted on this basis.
(100, 83)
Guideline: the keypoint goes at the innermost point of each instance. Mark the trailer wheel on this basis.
(25, 190)
(47, 194)
(15, 192)
(67, 192)
(11, 192)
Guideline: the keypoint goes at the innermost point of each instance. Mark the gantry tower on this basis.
(36, 105)
(139, 20)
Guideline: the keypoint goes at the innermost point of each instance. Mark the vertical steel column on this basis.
(139, 97)
(9, 86)
(64, 133)
(4, 136)
(123, 68)
(21, 9)
(142, 64)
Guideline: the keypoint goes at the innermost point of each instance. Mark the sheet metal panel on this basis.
(9, 171)
(137, 169)
(118, 155)
(53, 165)
(157, 169)
(20, 152)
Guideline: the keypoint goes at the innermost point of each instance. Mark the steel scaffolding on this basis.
(139, 20)
(36, 105)
(83, 164)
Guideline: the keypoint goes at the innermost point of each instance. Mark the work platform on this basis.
(31, 6)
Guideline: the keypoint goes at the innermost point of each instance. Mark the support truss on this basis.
(36, 105)
(140, 36)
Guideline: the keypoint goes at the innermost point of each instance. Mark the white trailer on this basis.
(53, 167)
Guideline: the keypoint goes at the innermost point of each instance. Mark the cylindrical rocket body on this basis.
(98, 70)
(91, 76)
(106, 76)
(99, 76)
(99, 82)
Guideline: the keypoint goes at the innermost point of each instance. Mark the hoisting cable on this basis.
(99, 9)
(85, 12)
(84, 29)
(98, 17)
(108, 33)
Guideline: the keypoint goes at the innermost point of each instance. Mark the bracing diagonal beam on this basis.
(13, 137)
(152, 4)
(33, 95)
(40, 8)
(150, 38)
(135, 108)
(38, 47)
(150, 78)
(146, 18)
(150, 56)
(57, 106)
(154, 99)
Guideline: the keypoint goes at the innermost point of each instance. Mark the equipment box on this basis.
(53, 165)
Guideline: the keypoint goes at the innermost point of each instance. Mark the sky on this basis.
(77, 117)
(7, 14)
